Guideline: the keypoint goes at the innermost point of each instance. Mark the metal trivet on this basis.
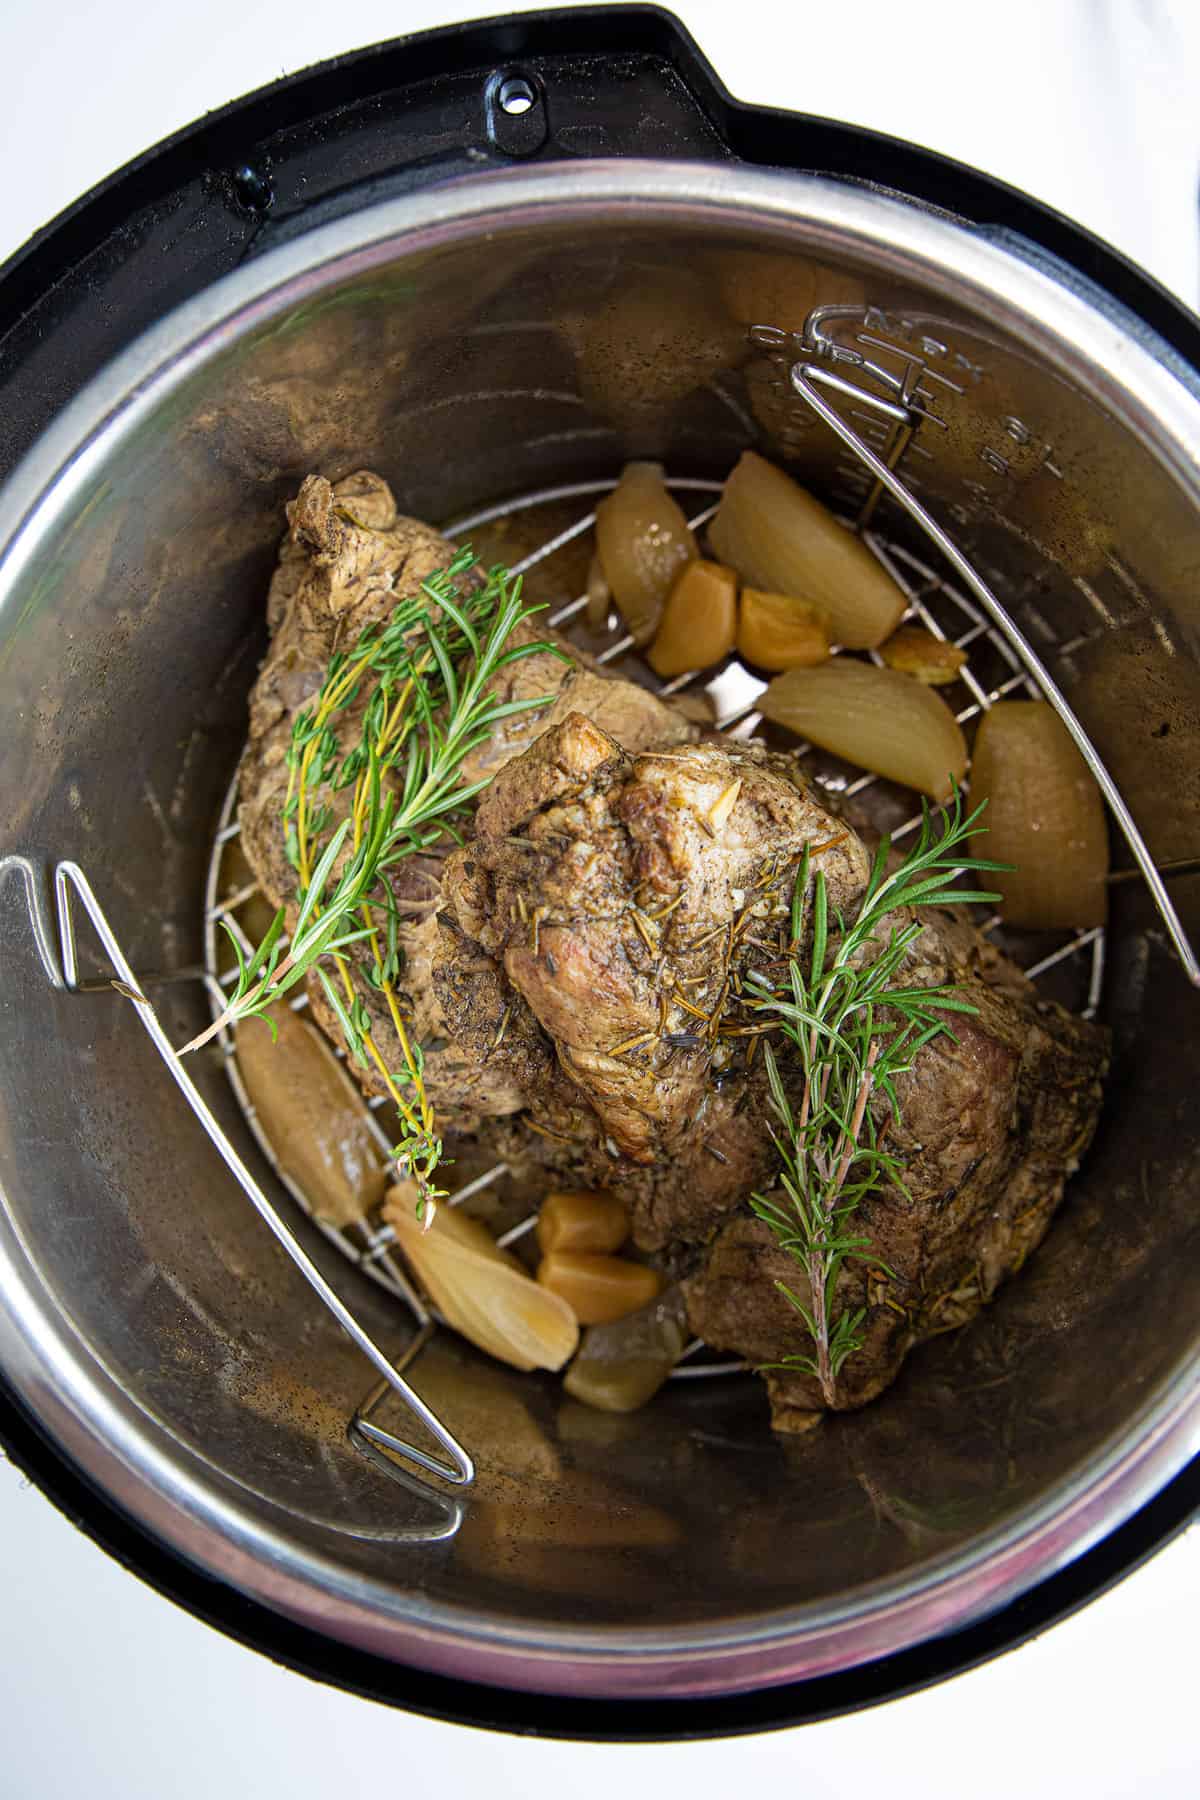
(1002, 662)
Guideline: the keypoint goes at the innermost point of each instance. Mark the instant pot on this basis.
(490, 262)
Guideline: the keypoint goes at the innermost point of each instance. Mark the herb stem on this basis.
(427, 677)
(850, 1137)
(847, 1030)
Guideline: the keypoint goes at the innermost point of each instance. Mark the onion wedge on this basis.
(776, 631)
(876, 718)
(479, 1289)
(312, 1115)
(1045, 814)
(622, 1365)
(782, 541)
(699, 621)
(916, 652)
(643, 541)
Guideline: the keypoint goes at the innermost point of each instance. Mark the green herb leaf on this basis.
(846, 1029)
(426, 676)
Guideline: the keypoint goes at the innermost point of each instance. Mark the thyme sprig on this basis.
(849, 1025)
(424, 680)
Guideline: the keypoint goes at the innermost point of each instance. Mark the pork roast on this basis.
(574, 972)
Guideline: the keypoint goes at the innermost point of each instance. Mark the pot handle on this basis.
(556, 86)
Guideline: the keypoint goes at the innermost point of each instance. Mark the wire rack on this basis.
(992, 672)
(1000, 663)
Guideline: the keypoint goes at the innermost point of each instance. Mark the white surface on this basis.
(105, 1689)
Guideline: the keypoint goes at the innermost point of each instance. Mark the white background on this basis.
(107, 1690)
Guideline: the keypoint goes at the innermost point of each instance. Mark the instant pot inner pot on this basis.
(467, 370)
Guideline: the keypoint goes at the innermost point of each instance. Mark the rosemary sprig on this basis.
(424, 682)
(851, 1026)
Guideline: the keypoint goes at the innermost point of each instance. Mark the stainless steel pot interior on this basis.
(494, 336)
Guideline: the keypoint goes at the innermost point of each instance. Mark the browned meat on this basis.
(632, 715)
(990, 1128)
(614, 891)
(349, 558)
(597, 884)
(573, 974)
(347, 561)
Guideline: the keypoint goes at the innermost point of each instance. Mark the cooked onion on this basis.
(622, 1365)
(643, 540)
(881, 720)
(599, 595)
(574, 1219)
(312, 1115)
(776, 631)
(599, 1289)
(699, 620)
(916, 652)
(781, 540)
(479, 1289)
(1044, 813)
